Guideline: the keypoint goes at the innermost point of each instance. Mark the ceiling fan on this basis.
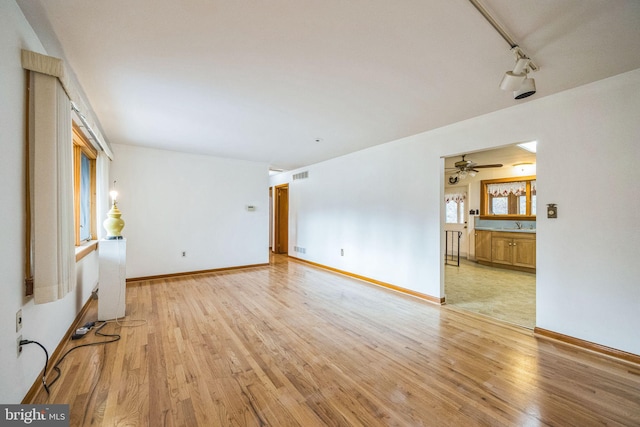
(463, 168)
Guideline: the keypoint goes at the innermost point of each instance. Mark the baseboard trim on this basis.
(37, 384)
(587, 345)
(429, 298)
(192, 273)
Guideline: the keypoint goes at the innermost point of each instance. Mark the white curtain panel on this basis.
(51, 180)
(102, 192)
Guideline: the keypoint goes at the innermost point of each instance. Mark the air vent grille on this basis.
(301, 175)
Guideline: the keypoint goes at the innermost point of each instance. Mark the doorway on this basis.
(281, 219)
(499, 293)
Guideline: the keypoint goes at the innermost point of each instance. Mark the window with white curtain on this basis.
(508, 197)
(53, 188)
(454, 208)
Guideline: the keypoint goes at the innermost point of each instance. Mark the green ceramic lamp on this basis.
(114, 223)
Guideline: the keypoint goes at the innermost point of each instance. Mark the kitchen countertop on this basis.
(509, 230)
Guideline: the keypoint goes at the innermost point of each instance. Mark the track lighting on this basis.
(527, 88)
(513, 79)
(518, 80)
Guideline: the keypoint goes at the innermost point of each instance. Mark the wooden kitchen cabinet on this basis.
(483, 245)
(524, 252)
(501, 249)
(508, 250)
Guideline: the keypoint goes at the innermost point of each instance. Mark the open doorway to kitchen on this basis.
(490, 224)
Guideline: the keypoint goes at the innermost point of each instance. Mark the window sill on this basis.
(85, 249)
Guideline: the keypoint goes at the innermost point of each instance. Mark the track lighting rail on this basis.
(514, 46)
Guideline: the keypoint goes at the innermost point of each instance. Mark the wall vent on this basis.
(301, 175)
(300, 250)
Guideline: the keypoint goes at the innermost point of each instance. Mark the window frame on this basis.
(485, 200)
(81, 145)
(460, 212)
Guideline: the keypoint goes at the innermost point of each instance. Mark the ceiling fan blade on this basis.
(497, 165)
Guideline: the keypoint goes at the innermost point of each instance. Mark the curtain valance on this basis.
(456, 197)
(517, 188)
(54, 67)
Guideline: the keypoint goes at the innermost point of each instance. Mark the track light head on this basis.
(527, 88)
(517, 80)
(511, 81)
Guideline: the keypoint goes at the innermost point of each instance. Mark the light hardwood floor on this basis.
(294, 345)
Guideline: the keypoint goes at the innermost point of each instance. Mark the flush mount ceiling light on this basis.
(515, 80)
(524, 168)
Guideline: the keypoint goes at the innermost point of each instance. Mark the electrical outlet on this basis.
(19, 345)
(184, 254)
(341, 252)
(18, 320)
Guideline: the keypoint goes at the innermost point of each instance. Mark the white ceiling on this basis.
(507, 156)
(261, 81)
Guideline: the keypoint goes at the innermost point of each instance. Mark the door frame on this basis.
(280, 237)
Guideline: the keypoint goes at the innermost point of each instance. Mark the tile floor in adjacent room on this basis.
(503, 294)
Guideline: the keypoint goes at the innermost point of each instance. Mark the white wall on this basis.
(587, 283)
(384, 206)
(173, 202)
(374, 204)
(45, 323)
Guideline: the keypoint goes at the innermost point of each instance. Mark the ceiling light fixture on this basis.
(512, 80)
(524, 168)
(527, 88)
(516, 80)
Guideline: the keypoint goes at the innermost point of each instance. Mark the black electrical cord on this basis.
(115, 337)
(46, 361)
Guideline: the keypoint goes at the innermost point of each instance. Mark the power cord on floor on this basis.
(114, 338)
(119, 321)
(46, 361)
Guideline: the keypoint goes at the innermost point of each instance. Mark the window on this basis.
(508, 198)
(454, 208)
(84, 195)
